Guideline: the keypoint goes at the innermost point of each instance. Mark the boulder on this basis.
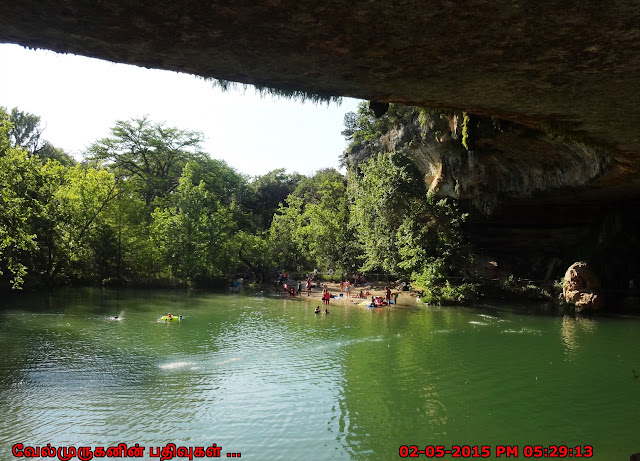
(581, 287)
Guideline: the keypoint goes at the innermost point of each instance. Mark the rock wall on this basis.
(570, 62)
(536, 202)
(504, 160)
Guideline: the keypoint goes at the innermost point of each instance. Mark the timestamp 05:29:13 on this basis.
(506, 451)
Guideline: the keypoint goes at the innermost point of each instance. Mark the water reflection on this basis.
(272, 380)
(573, 330)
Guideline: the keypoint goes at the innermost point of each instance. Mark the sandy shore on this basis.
(404, 297)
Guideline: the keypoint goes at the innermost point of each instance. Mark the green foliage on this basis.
(147, 154)
(25, 131)
(436, 287)
(465, 130)
(511, 287)
(49, 215)
(286, 238)
(399, 224)
(312, 228)
(558, 286)
(252, 252)
(75, 223)
(73, 201)
(148, 207)
(269, 192)
(49, 152)
(509, 283)
(405, 231)
(123, 251)
(328, 231)
(19, 175)
(191, 235)
(363, 129)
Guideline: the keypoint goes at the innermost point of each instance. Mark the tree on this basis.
(49, 151)
(365, 132)
(400, 226)
(25, 131)
(286, 237)
(73, 204)
(147, 154)
(330, 237)
(384, 195)
(47, 214)
(192, 234)
(250, 252)
(313, 229)
(19, 175)
(271, 190)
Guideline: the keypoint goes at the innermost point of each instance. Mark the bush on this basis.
(511, 288)
(438, 290)
(450, 294)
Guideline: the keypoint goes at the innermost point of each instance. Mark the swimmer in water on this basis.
(318, 310)
(326, 311)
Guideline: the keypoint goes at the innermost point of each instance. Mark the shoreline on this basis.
(407, 298)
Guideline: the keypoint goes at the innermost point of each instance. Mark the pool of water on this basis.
(271, 380)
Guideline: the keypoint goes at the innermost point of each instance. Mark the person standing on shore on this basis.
(347, 288)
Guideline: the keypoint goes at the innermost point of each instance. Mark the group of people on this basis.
(326, 311)
(295, 288)
(359, 280)
(345, 287)
(378, 301)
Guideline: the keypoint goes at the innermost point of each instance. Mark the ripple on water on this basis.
(523, 331)
(279, 382)
(177, 365)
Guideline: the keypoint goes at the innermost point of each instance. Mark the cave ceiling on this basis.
(570, 64)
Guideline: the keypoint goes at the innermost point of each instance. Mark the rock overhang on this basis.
(571, 64)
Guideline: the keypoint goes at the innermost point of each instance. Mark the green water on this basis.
(270, 379)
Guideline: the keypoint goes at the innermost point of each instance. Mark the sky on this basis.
(79, 100)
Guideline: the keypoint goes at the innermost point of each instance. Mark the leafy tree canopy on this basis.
(270, 191)
(312, 228)
(147, 154)
(25, 131)
(400, 226)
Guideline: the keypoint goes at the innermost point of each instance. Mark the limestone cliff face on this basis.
(504, 160)
(537, 203)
